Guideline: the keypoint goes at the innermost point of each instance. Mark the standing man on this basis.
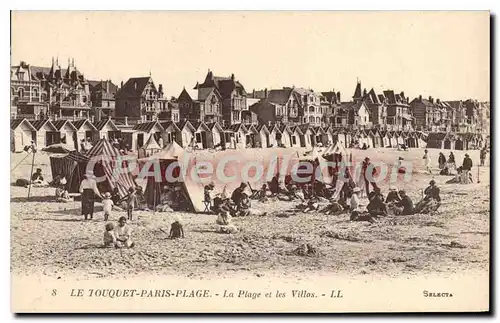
(482, 155)
(427, 161)
(466, 168)
(366, 177)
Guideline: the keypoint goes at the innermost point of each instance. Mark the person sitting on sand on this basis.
(260, 194)
(355, 199)
(274, 186)
(376, 206)
(431, 201)
(176, 230)
(405, 206)
(37, 177)
(334, 208)
(123, 234)
(223, 218)
(392, 196)
(237, 194)
(362, 216)
(141, 199)
(109, 235)
(62, 195)
(243, 208)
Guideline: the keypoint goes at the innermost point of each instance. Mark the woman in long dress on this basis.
(88, 190)
(427, 161)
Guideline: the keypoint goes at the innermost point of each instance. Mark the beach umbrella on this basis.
(58, 149)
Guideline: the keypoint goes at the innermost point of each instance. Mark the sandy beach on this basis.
(50, 239)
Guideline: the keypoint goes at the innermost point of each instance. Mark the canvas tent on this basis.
(172, 153)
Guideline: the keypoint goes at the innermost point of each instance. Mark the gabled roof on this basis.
(297, 130)
(59, 124)
(134, 87)
(357, 91)
(99, 125)
(204, 93)
(225, 85)
(252, 128)
(262, 127)
(167, 124)
(279, 96)
(79, 124)
(183, 124)
(200, 125)
(214, 125)
(319, 129)
(284, 127)
(14, 123)
(103, 85)
(184, 96)
(147, 126)
(304, 127)
(237, 127)
(38, 124)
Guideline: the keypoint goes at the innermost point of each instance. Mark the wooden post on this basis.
(31, 173)
(478, 180)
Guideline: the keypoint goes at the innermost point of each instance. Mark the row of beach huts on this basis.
(199, 135)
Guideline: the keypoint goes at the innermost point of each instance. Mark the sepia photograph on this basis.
(250, 161)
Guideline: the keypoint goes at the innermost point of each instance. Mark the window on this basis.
(311, 109)
(279, 111)
(318, 120)
(108, 104)
(20, 93)
(35, 93)
(198, 137)
(311, 119)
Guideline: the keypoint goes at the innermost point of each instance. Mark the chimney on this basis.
(438, 101)
(126, 120)
(232, 77)
(420, 98)
(265, 93)
(121, 85)
(253, 93)
(338, 96)
(107, 86)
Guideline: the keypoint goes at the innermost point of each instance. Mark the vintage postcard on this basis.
(180, 162)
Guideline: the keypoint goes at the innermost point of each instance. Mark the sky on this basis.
(445, 55)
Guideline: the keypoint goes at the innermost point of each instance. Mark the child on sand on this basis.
(176, 230)
(107, 203)
(109, 235)
(123, 234)
(131, 202)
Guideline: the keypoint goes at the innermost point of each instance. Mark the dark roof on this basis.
(261, 126)
(79, 123)
(99, 125)
(60, 123)
(184, 96)
(212, 125)
(280, 96)
(455, 104)
(38, 124)
(236, 127)
(173, 105)
(147, 126)
(101, 86)
(14, 123)
(167, 124)
(225, 85)
(203, 93)
(357, 91)
(134, 87)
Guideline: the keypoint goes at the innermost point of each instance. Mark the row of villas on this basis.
(40, 92)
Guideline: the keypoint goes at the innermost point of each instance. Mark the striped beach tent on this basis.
(71, 166)
(109, 163)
